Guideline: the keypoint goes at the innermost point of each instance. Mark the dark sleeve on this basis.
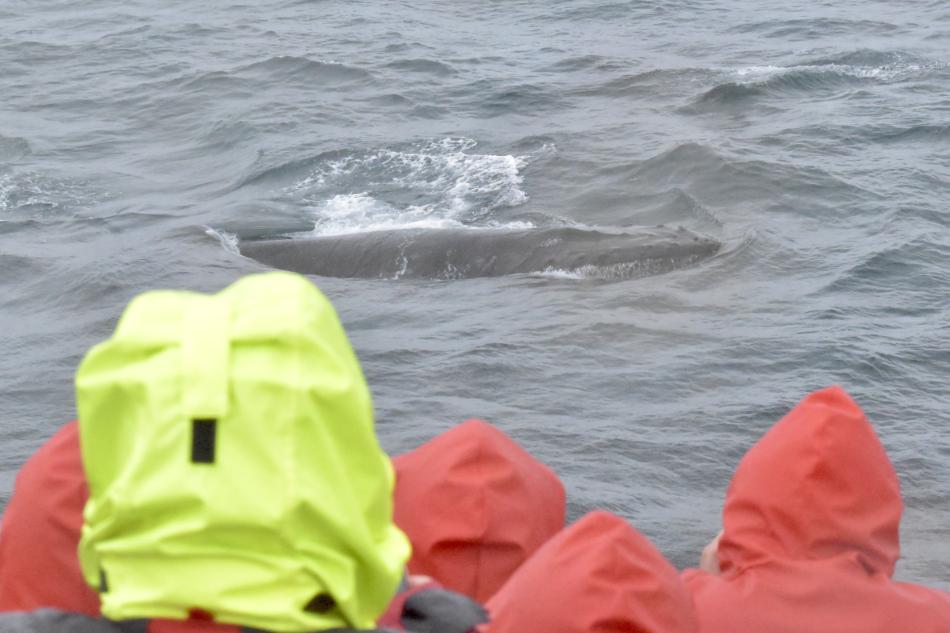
(441, 611)
(53, 621)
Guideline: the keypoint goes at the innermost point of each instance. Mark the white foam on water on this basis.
(33, 193)
(6, 188)
(444, 183)
(361, 212)
(886, 72)
(24, 191)
(560, 273)
(228, 240)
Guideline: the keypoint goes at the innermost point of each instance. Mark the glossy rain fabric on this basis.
(233, 468)
(811, 534)
(39, 567)
(475, 506)
(597, 576)
(38, 563)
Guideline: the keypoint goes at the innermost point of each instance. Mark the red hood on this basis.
(475, 506)
(597, 576)
(39, 566)
(816, 486)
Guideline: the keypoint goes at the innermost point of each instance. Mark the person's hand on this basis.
(709, 559)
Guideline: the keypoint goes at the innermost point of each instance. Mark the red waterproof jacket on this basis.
(811, 534)
(39, 566)
(597, 576)
(475, 506)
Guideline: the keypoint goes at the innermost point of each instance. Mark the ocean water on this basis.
(140, 140)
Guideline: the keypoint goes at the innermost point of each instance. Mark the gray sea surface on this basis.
(139, 140)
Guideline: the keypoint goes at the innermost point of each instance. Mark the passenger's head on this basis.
(475, 506)
(233, 467)
(817, 485)
(597, 576)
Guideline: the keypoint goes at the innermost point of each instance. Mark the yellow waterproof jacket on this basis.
(232, 463)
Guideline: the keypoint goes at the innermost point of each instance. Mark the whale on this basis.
(462, 253)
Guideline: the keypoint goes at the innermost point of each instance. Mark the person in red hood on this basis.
(475, 506)
(597, 576)
(810, 535)
(39, 566)
(40, 532)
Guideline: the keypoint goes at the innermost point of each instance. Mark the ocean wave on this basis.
(884, 66)
(608, 11)
(123, 34)
(18, 268)
(760, 81)
(189, 33)
(522, 98)
(30, 52)
(29, 194)
(724, 95)
(926, 133)
(225, 134)
(811, 28)
(281, 70)
(675, 206)
(487, 99)
(807, 76)
(215, 80)
(910, 265)
(722, 180)
(647, 83)
(288, 67)
(857, 68)
(429, 112)
(390, 100)
(582, 63)
(847, 139)
(404, 47)
(13, 148)
(869, 58)
(427, 66)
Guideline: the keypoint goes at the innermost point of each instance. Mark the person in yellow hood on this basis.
(234, 473)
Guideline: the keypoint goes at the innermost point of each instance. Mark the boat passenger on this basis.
(597, 576)
(488, 505)
(234, 476)
(810, 535)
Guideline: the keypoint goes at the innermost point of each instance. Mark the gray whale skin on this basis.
(486, 252)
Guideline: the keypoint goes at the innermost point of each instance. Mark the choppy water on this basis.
(812, 139)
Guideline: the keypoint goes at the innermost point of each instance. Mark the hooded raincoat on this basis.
(597, 576)
(40, 577)
(233, 467)
(230, 471)
(475, 506)
(811, 534)
(38, 563)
